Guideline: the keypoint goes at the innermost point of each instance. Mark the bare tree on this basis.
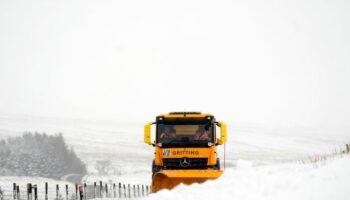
(104, 167)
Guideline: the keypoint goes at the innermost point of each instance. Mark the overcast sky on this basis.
(283, 63)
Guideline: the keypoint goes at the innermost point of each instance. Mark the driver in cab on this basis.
(169, 132)
(203, 134)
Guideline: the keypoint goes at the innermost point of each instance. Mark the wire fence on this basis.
(84, 191)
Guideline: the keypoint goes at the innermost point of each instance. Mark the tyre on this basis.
(155, 168)
(217, 165)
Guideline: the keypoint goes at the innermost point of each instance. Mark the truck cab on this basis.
(185, 141)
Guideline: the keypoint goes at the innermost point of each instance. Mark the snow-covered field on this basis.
(261, 163)
(280, 181)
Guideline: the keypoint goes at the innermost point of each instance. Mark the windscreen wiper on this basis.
(172, 141)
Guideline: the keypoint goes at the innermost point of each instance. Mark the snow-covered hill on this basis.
(260, 162)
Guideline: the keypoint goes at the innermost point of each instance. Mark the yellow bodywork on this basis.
(147, 134)
(201, 115)
(168, 179)
(209, 153)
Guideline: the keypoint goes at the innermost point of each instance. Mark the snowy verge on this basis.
(7, 181)
(281, 181)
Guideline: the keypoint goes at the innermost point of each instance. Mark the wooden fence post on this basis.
(14, 191)
(85, 195)
(46, 191)
(147, 191)
(100, 189)
(129, 194)
(124, 190)
(35, 187)
(94, 190)
(66, 191)
(120, 190)
(106, 189)
(143, 191)
(18, 193)
(1, 194)
(57, 191)
(114, 192)
(76, 191)
(29, 191)
(138, 190)
(133, 188)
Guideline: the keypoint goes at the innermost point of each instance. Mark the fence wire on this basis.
(76, 192)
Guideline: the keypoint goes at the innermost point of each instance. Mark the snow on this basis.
(261, 163)
(282, 181)
(269, 62)
(6, 185)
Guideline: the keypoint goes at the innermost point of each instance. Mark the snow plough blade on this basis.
(168, 179)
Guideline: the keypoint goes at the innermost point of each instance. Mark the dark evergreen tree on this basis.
(39, 155)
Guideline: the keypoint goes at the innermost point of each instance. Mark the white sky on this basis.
(278, 63)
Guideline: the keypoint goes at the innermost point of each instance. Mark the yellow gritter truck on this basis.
(185, 148)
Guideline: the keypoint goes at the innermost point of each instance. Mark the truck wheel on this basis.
(155, 168)
(217, 165)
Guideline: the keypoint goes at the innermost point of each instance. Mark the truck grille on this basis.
(193, 163)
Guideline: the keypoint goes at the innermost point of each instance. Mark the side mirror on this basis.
(147, 133)
(223, 136)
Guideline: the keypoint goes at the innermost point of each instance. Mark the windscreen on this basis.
(173, 135)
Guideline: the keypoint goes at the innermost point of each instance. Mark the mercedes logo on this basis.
(185, 162)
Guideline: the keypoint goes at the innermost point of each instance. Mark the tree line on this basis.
(38, 154)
